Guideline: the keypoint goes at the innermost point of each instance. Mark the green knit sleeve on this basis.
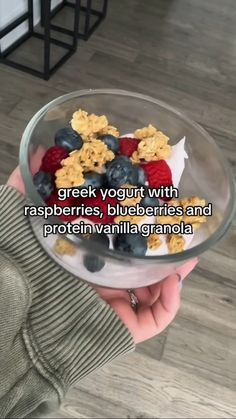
(54, 328)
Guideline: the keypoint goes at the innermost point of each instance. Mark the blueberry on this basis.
(95, 180)
(118, 159)
(93, 263)
(44, 184)
(111, 142)
(68, 139)
(141, 177)
(135, 176)
(121, 171)
(148, 201)
(134, 244)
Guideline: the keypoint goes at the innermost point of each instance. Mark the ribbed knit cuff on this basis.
(69, 331)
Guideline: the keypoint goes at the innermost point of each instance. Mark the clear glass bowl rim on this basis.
(168, 258)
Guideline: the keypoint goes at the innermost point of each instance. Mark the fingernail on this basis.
(179, 279)
(188, 267)
(178, 276)
(180, 284)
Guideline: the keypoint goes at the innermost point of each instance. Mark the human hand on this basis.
(15, 180)
(157, 305)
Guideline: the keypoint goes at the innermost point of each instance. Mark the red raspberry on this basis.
(98, 202)
(128, 146)
(51, 161)
(158, 174)
(68, 202)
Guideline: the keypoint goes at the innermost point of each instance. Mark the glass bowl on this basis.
(206, 174)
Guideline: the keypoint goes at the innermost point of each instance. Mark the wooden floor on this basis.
(183, 52)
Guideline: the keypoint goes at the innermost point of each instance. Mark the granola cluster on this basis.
(109, 129)
(195, 220)
(153, 145)
(145, 132)
(90, 126)
(63, 247)
(91, 157)
(69, 176)
(154, 241)
(175, 243)
(94, 153)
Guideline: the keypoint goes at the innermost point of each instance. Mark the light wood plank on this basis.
(163, 391)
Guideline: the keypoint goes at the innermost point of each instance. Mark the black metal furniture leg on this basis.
(105, 7)
(89, 12)
(87, 19)
(76, 23)
(31, 16)
(47, 43)
(46, 38)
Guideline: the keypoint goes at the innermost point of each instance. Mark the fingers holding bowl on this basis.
(15, 180)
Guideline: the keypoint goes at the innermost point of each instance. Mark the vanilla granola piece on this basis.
(88, 125)
(69, 176)
(97, 123)
(109, 130)
(145, 132)
(170, 219)
(175, 243)
(90, 158)
(192, 201)
(80, 122)
(195, 220)
(85, 236)
(64, 247)
(154, 241)
(152, 147)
